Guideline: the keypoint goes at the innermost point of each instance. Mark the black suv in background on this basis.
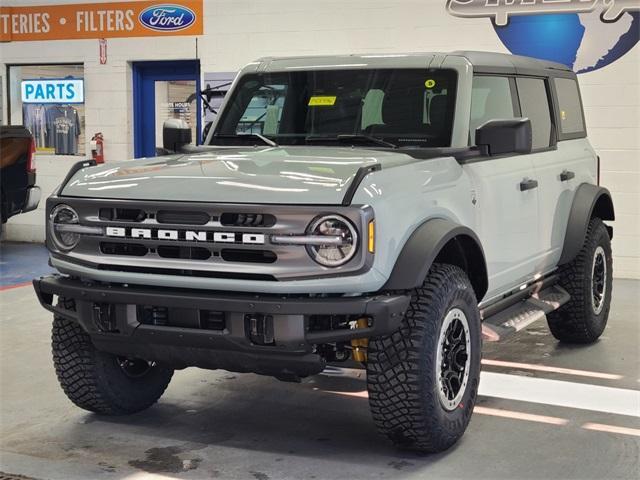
(18, 190)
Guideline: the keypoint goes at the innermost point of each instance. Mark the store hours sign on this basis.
(62, 91)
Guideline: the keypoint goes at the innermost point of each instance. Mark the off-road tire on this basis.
(577, 321)
(94, 380)
(402, 370)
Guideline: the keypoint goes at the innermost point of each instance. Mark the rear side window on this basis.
(534, 104)
(490, 100)
(570, 107)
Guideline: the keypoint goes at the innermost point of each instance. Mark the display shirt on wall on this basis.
(50, 103)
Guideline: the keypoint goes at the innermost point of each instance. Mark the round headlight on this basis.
(60, 216)
(333, 254)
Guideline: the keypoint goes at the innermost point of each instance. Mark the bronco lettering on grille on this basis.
(186, 235)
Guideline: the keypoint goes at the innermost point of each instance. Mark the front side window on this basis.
(491, 99)
(534, 104)
(571, 120)
(405, 107)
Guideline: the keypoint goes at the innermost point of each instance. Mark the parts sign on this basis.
(63, 90)
(101, 20)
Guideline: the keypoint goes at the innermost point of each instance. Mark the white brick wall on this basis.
(238, 31)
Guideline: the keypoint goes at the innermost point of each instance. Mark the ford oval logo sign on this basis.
(167, 17)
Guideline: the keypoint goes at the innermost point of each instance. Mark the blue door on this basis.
(161, 90)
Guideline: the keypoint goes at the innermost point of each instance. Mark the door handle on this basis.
(528, 185)
(566, 175)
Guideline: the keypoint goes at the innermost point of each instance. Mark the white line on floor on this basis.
(560, 393)
(582, 396)
(599, 427)
(546, 368)
(530, 417)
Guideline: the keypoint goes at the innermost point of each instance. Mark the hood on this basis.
(289, 175)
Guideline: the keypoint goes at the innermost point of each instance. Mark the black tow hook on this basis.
(259, 328)
(104, 318)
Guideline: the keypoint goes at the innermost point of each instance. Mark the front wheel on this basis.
(101, 382)
(423, 379)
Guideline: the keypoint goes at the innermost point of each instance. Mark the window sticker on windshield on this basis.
(430, 83)
(326, 101)
(315, 168)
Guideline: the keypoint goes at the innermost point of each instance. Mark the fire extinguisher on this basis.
(97, 147)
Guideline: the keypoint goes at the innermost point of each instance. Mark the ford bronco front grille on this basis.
(122, 214)
(247, 220)
(183, 218)
(205, 240)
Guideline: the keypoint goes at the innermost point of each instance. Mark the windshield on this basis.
(402, 107)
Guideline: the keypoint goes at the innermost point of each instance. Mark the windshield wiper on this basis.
(368, 138)
(351, 137)
(266, 140)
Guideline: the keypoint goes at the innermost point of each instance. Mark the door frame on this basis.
(145, 74)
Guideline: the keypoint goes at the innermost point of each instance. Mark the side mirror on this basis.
(175, 134)
(496, 137)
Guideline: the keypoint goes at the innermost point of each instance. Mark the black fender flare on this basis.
(588, 201)
(442, 240)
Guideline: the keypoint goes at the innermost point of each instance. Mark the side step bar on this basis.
(514, 318)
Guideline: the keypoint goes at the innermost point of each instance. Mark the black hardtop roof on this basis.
(493, 62)
(483, 62)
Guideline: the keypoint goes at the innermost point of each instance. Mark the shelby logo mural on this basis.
(583, 34)
(167, 17)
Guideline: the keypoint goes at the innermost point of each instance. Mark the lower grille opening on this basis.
(130, 249)
(181, 317)
(150, 315)
(212, 320)
(190, 253)
(324, 323)
(248, 256)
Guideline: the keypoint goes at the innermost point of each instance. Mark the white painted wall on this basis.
(238, 31)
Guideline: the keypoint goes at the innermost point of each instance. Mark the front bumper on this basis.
(113, 317)
(32, 200)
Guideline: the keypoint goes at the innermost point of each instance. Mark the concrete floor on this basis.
(565, 412)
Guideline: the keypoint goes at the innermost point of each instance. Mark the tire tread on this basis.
(90, 381)
(396, 365)
(573, 323)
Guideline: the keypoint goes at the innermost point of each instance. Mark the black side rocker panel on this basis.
(588, 201)
(423, 247)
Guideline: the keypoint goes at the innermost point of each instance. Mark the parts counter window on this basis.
(55, 120)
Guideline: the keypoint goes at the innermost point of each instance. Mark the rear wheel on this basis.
(423, 379)
(589, 281)
(101, 382)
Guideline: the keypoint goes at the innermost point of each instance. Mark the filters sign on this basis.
(101, 20)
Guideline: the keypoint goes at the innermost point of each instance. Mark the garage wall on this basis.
(238, 31)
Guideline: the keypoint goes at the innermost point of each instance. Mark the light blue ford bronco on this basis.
(388, 211)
